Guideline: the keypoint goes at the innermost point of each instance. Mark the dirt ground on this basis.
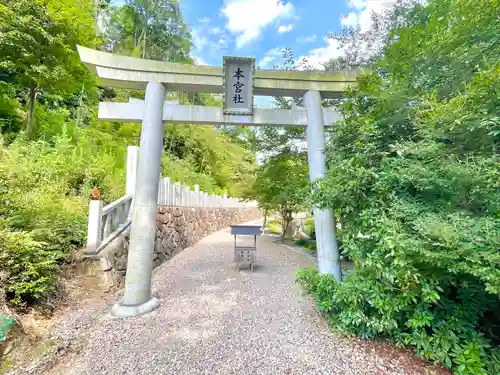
(30, 337)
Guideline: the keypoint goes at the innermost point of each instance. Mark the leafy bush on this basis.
(303, 243)
(274, 189)
(30, 267)
(312, 246)
(274, 226)
(414, 180)
(309, 227)
(443, 331)
(53, 150)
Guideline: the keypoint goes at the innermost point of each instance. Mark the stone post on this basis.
(137, 298)
(94, 227)
(328, 252)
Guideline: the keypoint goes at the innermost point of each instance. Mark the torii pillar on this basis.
(324, 221)
(156, 77)
(137, 298)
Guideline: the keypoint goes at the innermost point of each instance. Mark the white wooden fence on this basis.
(107, 223)
(175, 194)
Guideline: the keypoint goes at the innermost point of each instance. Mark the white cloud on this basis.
(318, 56)
(247, 18)
(361, 15)
(350, 20)
(284, 29)
(214, 30)
(208, 43)
(306, 39)
(199, 40)
(222, 43)
(199, 61)
(269, 57)
(363, 10)
(358, 3)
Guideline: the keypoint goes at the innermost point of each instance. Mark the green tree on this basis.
(272, 140)
(37, 44)
(282, 184)
(152, 29)
(414, 176)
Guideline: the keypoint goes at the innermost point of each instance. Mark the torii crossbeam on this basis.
(238, 81)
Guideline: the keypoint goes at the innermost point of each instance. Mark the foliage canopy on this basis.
(281, 184)
(49, 165)
(414, 177)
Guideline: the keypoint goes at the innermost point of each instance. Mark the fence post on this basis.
(183, 196)
(177, 194)
(160, 191)
(170, 190)
(131, 174)
(166, 188)
(197, 195)
(94, 226)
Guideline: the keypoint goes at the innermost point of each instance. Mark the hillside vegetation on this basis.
(414, 179)
(53, 150)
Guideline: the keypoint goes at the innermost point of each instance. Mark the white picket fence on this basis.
(108, 222)
(170, 194)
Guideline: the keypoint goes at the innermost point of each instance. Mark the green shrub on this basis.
(309, 227)
(302, 243)
(44, 189)
(311, 246)
(443, 331)
(274, 226)
(30, 267)
(414, 178)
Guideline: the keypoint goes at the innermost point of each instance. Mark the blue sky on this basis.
(261, 28)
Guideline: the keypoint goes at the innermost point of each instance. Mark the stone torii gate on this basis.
(238, 81)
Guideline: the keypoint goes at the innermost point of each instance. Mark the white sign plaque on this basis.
(238, 85)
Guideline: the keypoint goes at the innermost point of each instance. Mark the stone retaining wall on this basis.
(176, 229)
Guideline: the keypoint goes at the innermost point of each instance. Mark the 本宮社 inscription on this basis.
(238, 85)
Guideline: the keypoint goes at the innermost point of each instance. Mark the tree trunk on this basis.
(30, 119)
(145, 38)
(266, 212)
(286, 219)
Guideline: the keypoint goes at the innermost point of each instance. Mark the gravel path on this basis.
(217, 320)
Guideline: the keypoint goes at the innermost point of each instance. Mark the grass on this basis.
(274, 226)
(309, 225)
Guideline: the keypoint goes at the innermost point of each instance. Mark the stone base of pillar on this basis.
(125, 311)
